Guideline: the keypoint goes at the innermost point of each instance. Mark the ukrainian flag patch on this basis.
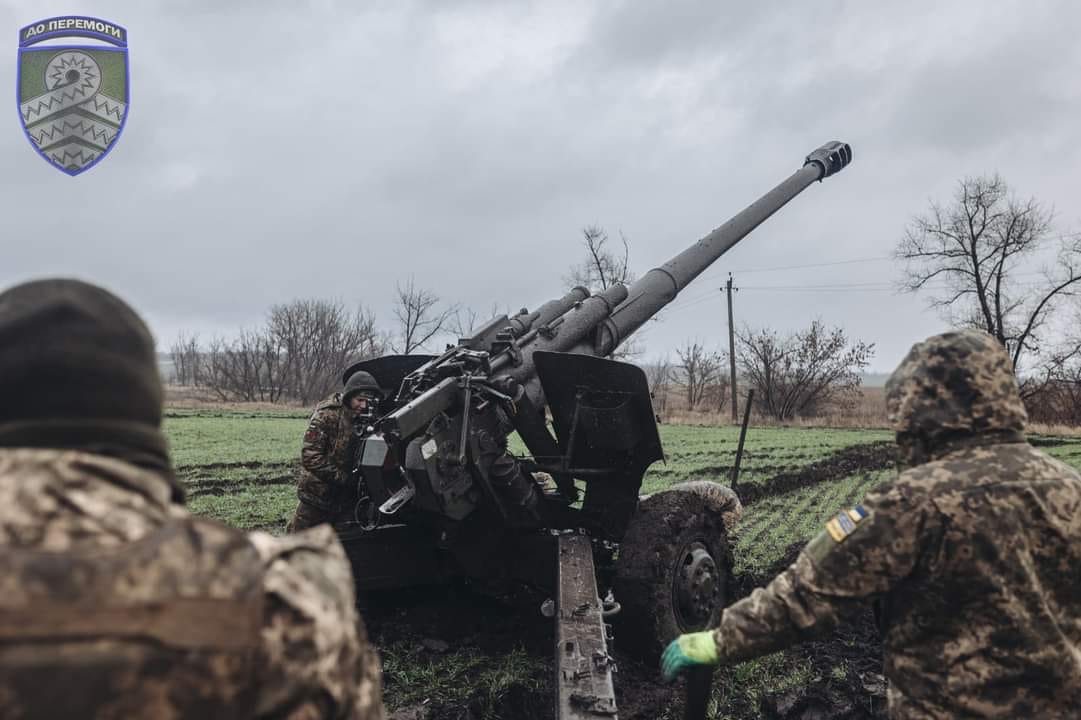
(845, 523)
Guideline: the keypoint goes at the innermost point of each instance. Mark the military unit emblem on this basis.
(73, 99)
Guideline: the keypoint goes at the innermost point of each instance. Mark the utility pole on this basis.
(732, 349)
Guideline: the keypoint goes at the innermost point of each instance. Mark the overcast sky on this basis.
(277, 150)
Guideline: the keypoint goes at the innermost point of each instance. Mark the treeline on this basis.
(807, 373)
(1057, 398)
(297, 355)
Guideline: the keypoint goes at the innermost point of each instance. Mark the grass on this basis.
(198, 439)
(252, 508)
(709, 453)
(238, 465)
(417, 677)
(772, 524)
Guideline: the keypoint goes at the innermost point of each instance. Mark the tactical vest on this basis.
(166, 626)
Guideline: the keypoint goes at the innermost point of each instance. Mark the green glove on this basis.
(687, 651)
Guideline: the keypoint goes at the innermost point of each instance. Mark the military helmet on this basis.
(359, 382)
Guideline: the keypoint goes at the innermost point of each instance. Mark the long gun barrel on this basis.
(660, 285)
(601, 322)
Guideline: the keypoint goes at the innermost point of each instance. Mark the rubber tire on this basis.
(666, 523)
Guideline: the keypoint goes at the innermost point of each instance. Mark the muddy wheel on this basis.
(674, 566)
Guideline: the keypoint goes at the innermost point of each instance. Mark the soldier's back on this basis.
(135, 608)
(994, 607)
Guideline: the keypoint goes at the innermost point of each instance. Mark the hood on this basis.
(952, 386)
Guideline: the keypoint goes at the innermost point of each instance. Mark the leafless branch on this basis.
(419, 318)
(804, 373)
(965, 258)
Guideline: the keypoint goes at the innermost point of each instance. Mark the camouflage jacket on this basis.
(325, 454)
(143, 610)
(974, 552)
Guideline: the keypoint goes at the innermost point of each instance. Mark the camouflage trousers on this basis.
(308, 516)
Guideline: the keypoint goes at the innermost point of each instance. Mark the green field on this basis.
(709, 452)
(240, 468)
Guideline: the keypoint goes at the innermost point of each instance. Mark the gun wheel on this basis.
(672, 571)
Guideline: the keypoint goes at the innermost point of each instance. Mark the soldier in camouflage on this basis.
(115, 601)
(974, 552)
(326, 491)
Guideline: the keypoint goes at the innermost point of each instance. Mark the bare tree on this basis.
(659, 375)
(804, 373)
(969, 255)
(698, 369)
(1058, 397)
(464, 322)
(1055, 388)
(186, 358)
(246, 368)
(319, 339)
(298, 355)
(603, 266)
(715, 394)
(419, 318)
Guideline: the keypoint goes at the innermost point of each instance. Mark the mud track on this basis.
(845, 670)
(201, 480)
(854, 459)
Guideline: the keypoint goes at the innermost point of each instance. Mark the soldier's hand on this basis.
(688, 651)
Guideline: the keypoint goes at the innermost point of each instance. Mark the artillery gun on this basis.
(442, 496)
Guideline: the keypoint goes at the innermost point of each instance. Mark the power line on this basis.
(868, 287)
(817, 265)
(882, 289)
(692, 302)
(879, 284)
(853, 287)
(688, 302)
(851, 261)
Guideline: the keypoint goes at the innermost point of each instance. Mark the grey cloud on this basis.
(323, 150)
(633, 35)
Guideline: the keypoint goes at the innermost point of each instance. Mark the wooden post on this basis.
(742, 437)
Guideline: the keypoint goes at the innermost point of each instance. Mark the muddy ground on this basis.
(845, 680)
(863, 458)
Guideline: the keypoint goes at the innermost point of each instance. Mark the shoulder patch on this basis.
(845, 523)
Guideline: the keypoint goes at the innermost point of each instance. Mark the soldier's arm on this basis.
(315, 453)
(846, 564)
(316, 660)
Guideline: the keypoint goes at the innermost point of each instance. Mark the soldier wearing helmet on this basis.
(973, 551)
(327, 491)
(115, 601)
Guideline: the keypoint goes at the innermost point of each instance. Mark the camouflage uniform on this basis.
(323, 490)
(138, 609)
(115, 602)
(974, 552)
